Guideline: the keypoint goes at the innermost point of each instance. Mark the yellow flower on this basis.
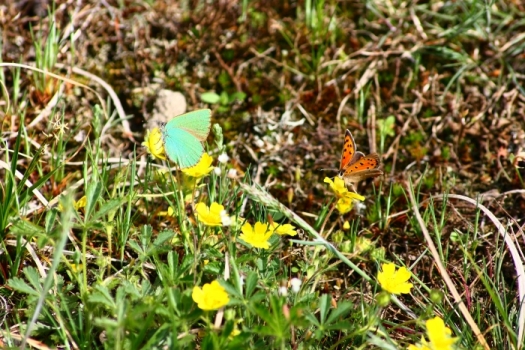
(170, 212)
(235, 332)
(422, 346)
(282, 230)
(81, 203)
(353, 195)
(209, 216)
(394, 282)
(202, 168)
(346, 198)
(344, 205)
(346, 225)
(338, 186)
(257, 236)
(340, 190)
(76, 268)
(212, 296)
(154, 144)
(439, 336)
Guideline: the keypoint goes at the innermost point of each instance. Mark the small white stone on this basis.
(259, 143)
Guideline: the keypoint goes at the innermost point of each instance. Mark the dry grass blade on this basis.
(32, 252)
(109, 89)
(28, 183)
(118, 106)
(443, 271)
(518, 263)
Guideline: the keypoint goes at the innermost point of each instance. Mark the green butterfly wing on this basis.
(182, 147)
(183, 137)
(197, 123)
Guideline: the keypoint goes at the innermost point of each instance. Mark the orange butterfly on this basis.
(355, 166)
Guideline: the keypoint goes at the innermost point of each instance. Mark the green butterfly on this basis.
(183, 137)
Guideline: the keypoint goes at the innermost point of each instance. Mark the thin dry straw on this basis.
(109, 89)
(518, 263)
(443, 271)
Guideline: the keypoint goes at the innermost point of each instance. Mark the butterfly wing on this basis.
(183, 136)
(181, 146)
(349, 150)
(197, 123)
(361, 168)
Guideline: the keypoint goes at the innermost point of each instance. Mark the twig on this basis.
(116, 101)
(442, 269)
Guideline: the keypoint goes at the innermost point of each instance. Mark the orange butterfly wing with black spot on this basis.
(355, 166)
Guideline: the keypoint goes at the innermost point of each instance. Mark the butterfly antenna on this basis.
(327, 169)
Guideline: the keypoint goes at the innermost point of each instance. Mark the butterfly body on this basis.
(356, 166)
(183, 136)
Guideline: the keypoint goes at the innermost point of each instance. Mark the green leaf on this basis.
(93, 193)
(33, 278)
(340, 325)
(237, 96)
(386, 126)
(108, 206)
(210, 97)
(230, 289)
(163, 237)
(324, 305)
(224, 98)
(50, 219)
(312, 319)
(26, 228)
(136, 247)
(251, 283)
(21, 286)
(106, 322)
(342, 309)
(101, 295)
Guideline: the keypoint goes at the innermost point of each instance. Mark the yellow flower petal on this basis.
(154, 143)
(344, 205)
(354, 196)
(257, 236)
(337, 185)
(209, 216)
(421, 346)
(394, 282)
(439, 335)
(81, 203)
(202, 168)
(76, 268)
(281, 230)
(170, 212)
(212, 296)
(235, 332)
(340, 190)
